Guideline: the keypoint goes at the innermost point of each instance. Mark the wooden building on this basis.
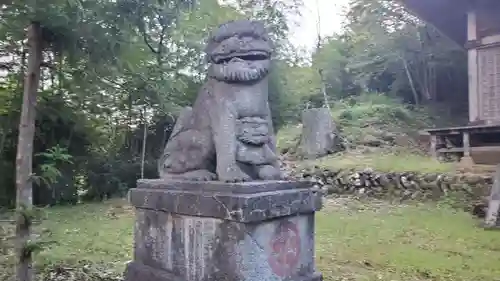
(474, 24)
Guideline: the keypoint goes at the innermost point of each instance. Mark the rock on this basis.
(319, 134)
(402, 141)
(366, 149)
(388, 136)
(368, 171)
(372, 141)
(473, 179)
(430, 177)
(466, 163)
(479, 209)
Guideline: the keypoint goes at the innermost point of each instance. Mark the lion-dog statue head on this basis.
(239, 51)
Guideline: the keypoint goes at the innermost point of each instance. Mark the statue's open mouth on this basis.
(244, 66)
(247, 56)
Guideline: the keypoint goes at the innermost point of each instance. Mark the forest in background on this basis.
(116, 73)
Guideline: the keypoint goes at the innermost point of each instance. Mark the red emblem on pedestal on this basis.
(285, 249)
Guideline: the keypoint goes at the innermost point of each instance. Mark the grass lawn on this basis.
(403, 162)
(355, 241)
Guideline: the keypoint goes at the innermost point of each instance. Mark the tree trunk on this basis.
(410, 79)
(24, 157)
(319, 133)
(128, 139)
(326, 103)
(323, 90)
(144, 139)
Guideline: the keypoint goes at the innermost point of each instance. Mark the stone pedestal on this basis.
(210, 231)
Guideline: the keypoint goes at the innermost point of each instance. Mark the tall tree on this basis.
(24, 167)
(65, 29)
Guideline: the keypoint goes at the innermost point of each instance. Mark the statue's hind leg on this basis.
(189, 156)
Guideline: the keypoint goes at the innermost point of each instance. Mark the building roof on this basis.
(449, 16)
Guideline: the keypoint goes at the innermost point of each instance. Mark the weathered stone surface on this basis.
(212, 231)
(242, 202)
(319, 133)
(173, 247)
(182, 157)
(471, 188)
(491, 218)
(228, 134)
(244, 188)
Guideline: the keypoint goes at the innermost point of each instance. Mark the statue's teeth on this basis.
(236, 59)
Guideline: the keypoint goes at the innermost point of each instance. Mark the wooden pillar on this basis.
(466, 163)
(434, 153)
(473, 68)
(466, 141)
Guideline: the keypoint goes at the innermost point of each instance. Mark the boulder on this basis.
(319, 134)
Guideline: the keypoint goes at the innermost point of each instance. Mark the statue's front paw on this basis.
(234, 175)
(268, 172)
(202, 175)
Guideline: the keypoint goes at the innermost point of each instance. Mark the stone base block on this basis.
(214, 231)
(136, 271)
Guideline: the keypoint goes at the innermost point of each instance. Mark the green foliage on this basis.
(49, 171)
(368, 114)
(107, 62)
(288, 138)
(27, 215)
(377, 109)
(332, 59)
(392, 51)
(373, 118)
(32, 247)
(56, 154)
(290, 87)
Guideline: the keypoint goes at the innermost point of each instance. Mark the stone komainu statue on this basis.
(228, 135)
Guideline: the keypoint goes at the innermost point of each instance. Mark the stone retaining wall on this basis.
(472, 188)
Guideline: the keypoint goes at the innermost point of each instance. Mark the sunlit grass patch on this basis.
(383, 162)
(404, 243)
